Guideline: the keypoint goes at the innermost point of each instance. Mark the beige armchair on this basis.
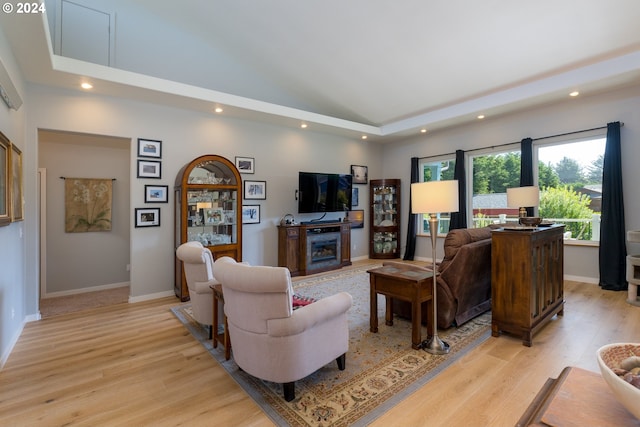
(269, 339)
(198, 270)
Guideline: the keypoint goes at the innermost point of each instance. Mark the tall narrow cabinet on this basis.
(208, 204)
(527, 272)
(384, 231)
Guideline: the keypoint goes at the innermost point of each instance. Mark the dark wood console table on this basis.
(527, 287)
(576, 398)
(314, 247)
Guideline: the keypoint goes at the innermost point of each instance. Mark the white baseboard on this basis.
(593, 280)
(149, 297)
(12, 344)
(85, 290)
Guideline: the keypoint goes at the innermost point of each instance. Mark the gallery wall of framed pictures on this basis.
(11, 182)
(150, 167)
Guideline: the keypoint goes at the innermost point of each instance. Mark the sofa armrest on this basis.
(310, 315)
(204, 287)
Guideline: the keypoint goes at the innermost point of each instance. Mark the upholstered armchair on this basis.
(269, 339)
(198, 270)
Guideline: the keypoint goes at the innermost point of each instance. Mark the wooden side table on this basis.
(576, 398)
(218, 298)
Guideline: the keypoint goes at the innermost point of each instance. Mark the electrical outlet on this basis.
(13, 313)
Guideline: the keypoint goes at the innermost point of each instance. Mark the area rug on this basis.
(381, 368)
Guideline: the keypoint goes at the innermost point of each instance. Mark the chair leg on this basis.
(341, 361)
(289, 391)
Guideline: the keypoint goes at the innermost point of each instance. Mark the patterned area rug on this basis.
(381, 368)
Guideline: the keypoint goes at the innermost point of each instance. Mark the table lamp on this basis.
(434, 197)
(523, 198)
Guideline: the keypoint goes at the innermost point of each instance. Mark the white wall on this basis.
(77, 261)
(13, 311)
(584, 112)
(279, 153)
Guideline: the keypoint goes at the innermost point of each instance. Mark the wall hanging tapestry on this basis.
(87, 204)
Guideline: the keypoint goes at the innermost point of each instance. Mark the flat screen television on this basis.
(323, 192)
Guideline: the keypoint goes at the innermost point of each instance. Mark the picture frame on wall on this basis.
(149, 169)
(147, 217)
(17, 199)
(355, 195)
(255, 190)
(250, 214)
(149, 148)
(360, 174)
(245, 164)
(156, 193)
(5, 147)
(356, 218)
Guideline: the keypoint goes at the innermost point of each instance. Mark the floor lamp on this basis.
(432, 198)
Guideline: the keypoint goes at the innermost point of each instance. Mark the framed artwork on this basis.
(147, 217)
(250, 214)
(245, 164)
(156, 193)
(149, 148)
(17, 199)
(355, 194)
(213, 216)
(360, 174)
(356, 217)
(255, 190)
(5, 146)
(149, 169)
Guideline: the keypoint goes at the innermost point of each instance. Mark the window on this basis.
(437, 169)
(570, 180)
(493, 173)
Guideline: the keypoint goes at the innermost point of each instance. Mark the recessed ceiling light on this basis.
(423, 130)
(303, 125)
(218, 110)
(481, 116)
(574, 93)
(86, 86)
(364, 136)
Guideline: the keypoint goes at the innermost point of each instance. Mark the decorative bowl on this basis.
(609, 358)
(530, 220)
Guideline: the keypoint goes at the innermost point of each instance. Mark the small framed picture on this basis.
(356, 218)
(355, 194)
(149, 148)
(213, 216)
(360, 174)
(255, 190)
(147, 217)
(250, 214)
(149, 169)
(245, 164)
(156, 193)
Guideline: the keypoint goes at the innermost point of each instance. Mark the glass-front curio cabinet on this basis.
(385, 218)
(208, 199)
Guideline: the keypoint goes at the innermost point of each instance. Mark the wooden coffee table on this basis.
(406, 284)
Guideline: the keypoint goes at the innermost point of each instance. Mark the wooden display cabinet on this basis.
(384, 229)
(314, 247)
(208, 209)
(527, 287)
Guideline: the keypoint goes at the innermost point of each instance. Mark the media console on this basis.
(314, 247)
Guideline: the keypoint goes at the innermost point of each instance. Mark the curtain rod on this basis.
(64, 177)
(517, 142)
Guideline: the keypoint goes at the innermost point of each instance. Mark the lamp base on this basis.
(435, 345)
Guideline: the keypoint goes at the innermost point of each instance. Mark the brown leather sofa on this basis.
(464, 282)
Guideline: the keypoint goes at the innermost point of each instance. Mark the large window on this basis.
(436, 169)
(570, 180)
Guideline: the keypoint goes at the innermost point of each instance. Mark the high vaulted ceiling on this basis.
(378, 67)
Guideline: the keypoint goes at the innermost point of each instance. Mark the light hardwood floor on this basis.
(136, 365)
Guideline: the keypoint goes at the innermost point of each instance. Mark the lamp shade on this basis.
(434, 197)
(523, 197)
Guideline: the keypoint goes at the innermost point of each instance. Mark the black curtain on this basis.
(613, 251)
(526, 166)
(459, 219)
(410, 250)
